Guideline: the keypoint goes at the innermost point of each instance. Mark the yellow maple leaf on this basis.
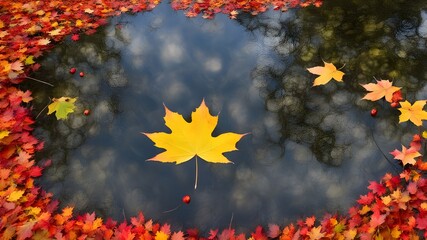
(189, 139)
(15, 195)
(383, 88)
(413, 113)
(395, 233)
(365, 209)
(79, 23)
(161, 236)
(326, 73)
(67, 212)
(3, 134)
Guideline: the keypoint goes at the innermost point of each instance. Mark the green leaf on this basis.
(29, 60)
(62, 107)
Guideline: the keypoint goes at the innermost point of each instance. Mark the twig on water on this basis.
(40, 81)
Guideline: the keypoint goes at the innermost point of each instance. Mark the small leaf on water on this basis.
(383, 88)
(327, 73)
(62, 107)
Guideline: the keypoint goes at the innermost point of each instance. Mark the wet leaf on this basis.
(189, 139)
(407, 156)
(327, 73)
(383, 88)
(413, 113)
(62, 107)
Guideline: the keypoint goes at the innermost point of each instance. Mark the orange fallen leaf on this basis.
(383, 88)
(407, 155)
(327, 73)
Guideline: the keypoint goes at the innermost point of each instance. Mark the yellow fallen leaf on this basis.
(79, 23)
(15, 195)
(189, 139)
(327, 73)
(413, 113)
(4, 134)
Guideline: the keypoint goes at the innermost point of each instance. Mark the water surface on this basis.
(311, 150)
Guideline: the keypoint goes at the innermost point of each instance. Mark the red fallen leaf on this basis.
(139, 220)
(377, 188)
(310, 221)
(422, 223)
(226, 234)
(25, 230)
(416, 142)
(177, 236)
(273, 230)
(75, 37)
(166, 228)
(259, 234)
(376, 219)
(421, 165)
(212, 234)
(22, 96)
(412, 188)
(193, 232)
(35, 171)
(366, 199)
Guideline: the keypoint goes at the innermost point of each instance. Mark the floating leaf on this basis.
(414, 113)
(407, 156)
(189, 139)
(62, 107)
(327, 73)
(383, 88)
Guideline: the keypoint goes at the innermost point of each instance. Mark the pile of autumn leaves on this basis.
(394, 208)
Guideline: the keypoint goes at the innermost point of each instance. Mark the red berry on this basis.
(186, 199)
(86, 112)
(394, 104)
(73, 70)
(82, 74)
(416, 138)
(374, 112)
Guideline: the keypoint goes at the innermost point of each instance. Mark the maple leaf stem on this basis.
(173, 209)
(43, 109)
(231, 221)
(40, 81)
(197, 174)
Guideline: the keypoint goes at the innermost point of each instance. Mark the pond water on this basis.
(310, 150)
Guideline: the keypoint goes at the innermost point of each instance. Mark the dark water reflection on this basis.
(311, 150)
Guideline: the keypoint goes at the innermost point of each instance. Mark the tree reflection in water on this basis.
(311, 149)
